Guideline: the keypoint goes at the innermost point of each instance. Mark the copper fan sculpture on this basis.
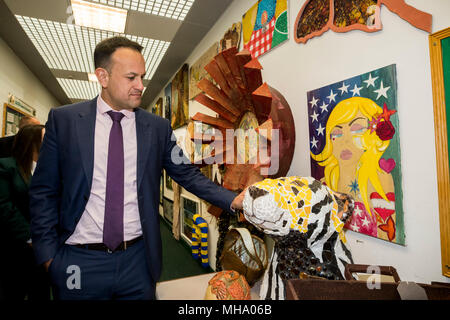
(242, 101)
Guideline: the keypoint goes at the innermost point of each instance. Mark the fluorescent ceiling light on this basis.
(71, 47)
(79, 89)
(92, 77)
(93, 15)
(174, 9)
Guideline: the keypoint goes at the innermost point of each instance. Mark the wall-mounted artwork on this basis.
(168, 189)
(265, 26)
(355, 149)
(167, 102)
(231, 38)
(11, 119)
(244, 102)
(198, 71)
(180, 98)
(189, 207)
(168, 209)
(157, 108)
(197, 144)
(318, 16)
(439, 44)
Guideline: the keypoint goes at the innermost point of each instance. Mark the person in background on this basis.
(6, 143)
(20, 276)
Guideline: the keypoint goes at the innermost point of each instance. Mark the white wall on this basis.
(294, 69)
(17, 79)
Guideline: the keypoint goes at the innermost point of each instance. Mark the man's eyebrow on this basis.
(134, 74)
(355, 120)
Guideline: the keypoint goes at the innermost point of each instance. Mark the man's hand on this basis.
(237, 202)
(47, 264)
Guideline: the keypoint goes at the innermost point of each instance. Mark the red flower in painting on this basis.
(385, 130)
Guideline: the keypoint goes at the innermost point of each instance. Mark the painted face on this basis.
(124, 83)
(346, 139)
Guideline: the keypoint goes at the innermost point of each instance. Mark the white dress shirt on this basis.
(90, 227)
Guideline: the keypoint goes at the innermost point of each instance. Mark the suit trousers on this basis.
(84, 274)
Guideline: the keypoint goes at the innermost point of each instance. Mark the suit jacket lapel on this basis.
(143, 139)
(85, 125)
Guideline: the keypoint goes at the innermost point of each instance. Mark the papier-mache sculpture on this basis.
(306, 220)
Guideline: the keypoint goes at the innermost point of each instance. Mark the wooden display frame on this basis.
(188, 196)
(442, 159)
(7, 106)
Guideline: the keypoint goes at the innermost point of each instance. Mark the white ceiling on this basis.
(167, 29)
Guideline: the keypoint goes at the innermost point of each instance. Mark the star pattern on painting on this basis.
(324, 107)
(314, 143)
(332, 96)
(314, 116)
(320, 130)
(357, 211)
(370, 81)
(387, 113)
(314, 102)
(374, 122)
(344, 88)
(382, 91)
(354, 187)
(366, 222)
(356, 90)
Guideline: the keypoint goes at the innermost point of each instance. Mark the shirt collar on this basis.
(104, 107)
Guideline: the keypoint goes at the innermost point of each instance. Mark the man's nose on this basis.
(140, 84)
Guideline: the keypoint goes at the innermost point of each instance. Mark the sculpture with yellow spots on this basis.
(306, 220)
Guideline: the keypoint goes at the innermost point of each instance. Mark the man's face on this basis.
(122, 82)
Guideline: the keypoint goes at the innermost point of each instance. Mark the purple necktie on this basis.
(113, 224)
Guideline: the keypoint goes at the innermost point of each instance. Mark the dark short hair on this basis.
(106, 48)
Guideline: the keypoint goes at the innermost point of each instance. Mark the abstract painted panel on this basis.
(157, 108)
(355, 149)
(265, 26)
(318, 16)
(198, 71)
(180, 98)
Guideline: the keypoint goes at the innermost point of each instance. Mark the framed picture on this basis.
(157, 108)
(11, 119)
(440, 75)
(167, 106)
(161, 190)
(189, 205)
(180, 98)
(354, 127)
(168, 210)
(265, 26)
(168, 190)
(198, 72)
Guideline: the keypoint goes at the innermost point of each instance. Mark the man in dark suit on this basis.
(6, 143)
(95, 191)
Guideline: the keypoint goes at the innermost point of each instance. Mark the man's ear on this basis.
(102, 76)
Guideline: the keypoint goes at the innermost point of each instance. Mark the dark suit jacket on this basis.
(61, 184)
(14, 211)
(6, 144)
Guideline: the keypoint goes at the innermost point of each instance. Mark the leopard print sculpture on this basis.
(306, 219)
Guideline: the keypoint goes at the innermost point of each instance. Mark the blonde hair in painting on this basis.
(368, 165)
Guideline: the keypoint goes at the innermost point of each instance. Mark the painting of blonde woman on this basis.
(354, 147)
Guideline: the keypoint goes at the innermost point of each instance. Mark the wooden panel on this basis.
(442, 161)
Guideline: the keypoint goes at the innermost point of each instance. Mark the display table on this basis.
(191, 288)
